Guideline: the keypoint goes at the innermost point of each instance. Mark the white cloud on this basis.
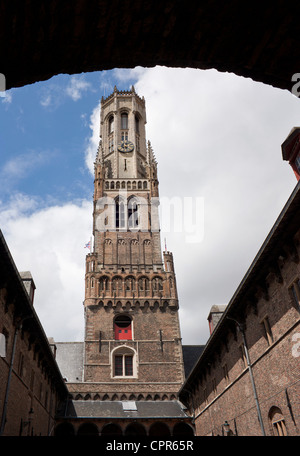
(50, 243)
(46, 100)
(92, 142)
(54, 93)
(7, 98)
(76, 87)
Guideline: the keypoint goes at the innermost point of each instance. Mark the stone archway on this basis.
(64, 429)
(135, 429)
(183, 429)
(111, 429)
(88, 429)
(159, 429)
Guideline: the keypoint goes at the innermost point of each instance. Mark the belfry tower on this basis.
(132, 336)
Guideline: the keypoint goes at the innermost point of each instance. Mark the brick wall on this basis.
(222, 390)
(36, 387)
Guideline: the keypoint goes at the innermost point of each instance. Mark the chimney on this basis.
(214, 316)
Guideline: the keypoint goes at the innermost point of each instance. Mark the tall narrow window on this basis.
(124, 121)
(119, 365)
(120, 214)
(137, 124)
(111, 124)
(133, 219)
(128, 365)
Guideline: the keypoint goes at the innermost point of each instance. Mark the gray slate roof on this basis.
(191, 354)
(125, 409)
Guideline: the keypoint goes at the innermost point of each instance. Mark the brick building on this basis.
(133, 363)
(247, 379)
(31, 386)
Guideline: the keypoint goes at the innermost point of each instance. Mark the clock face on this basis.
(125, 146)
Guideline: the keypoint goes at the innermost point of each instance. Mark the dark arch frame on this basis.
(88, 429)
(134, 429)
(111, 429)
(183, 429)
(64, 430)
(184, 36)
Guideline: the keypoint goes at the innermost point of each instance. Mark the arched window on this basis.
(111, 124)
(124, 362)
(130, 284)
(144, 285)
(103, 284)
(117, 285)
(123, 328)
(157, 284)
(133, 216)
(277, 420)
(124, 121)
(120, 213)
(137, 124)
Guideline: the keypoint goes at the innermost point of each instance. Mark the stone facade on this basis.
(266, 311)
(31, 386)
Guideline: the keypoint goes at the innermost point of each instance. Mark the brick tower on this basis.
(132, 337)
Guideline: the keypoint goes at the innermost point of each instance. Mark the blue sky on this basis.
(44, 128)
(216, 137)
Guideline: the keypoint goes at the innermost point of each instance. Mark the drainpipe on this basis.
(3, 420)
(251, 375)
